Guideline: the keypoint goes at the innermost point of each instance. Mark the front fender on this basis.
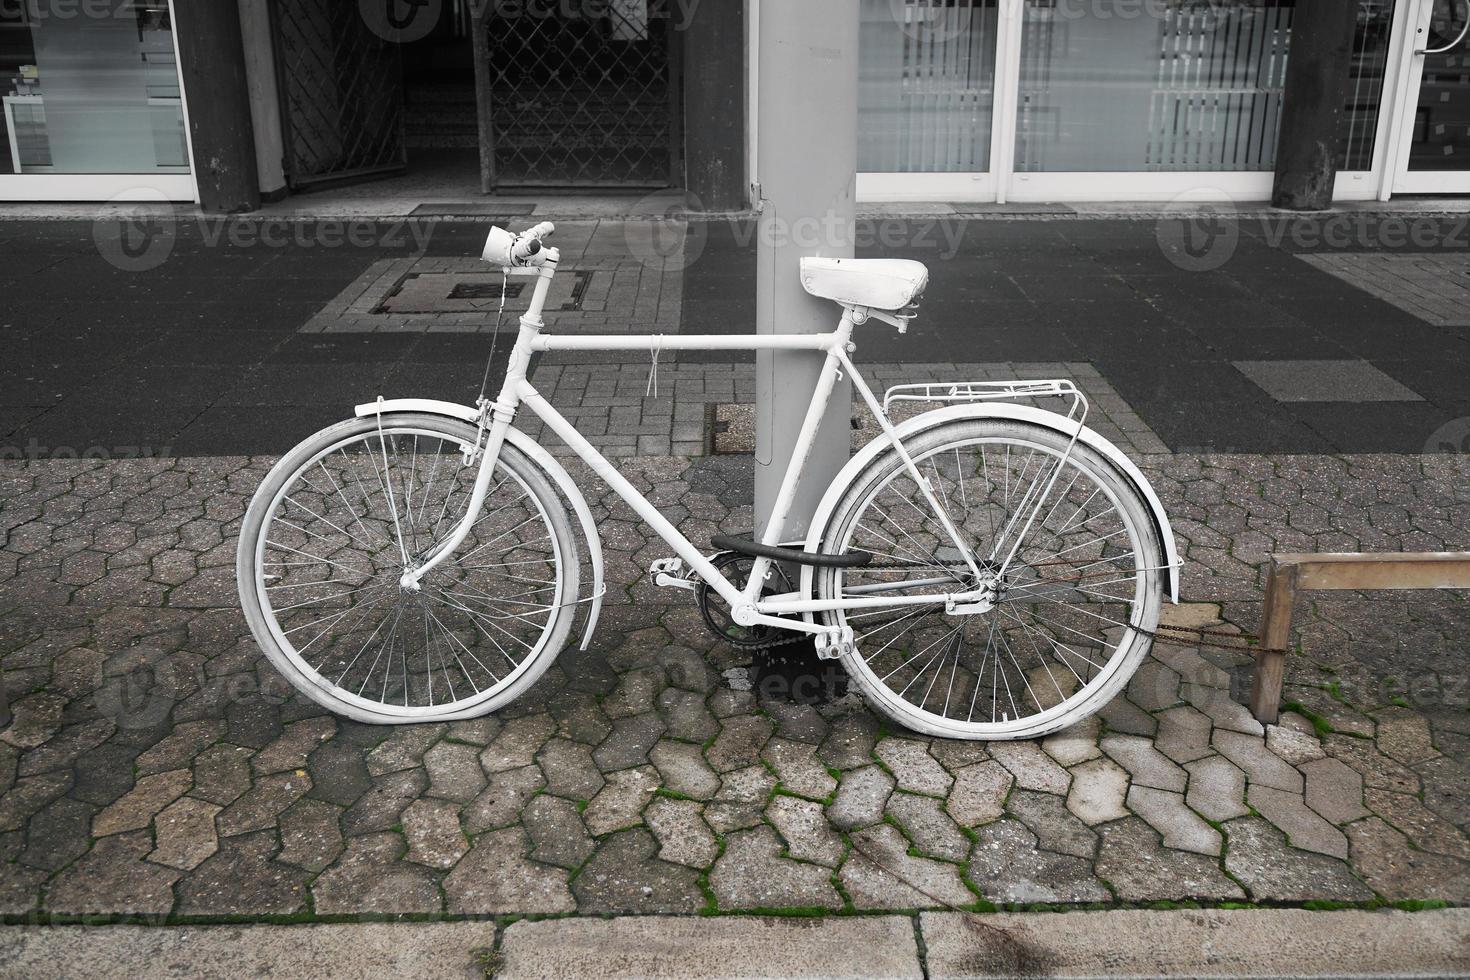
(1022, 413)
(537, 455)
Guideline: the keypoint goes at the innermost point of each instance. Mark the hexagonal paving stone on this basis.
(1033, 768)
(454, 771)
(242, 878)
(1077, 743)
(880, 874)
(569, 769)
(1146, 765)
(1400, 872)
(1184, 734)
(310, 835)
(262, 803)
(804, 827)
(518, 742)
(798, 769)
(496, 878)
(1008, 866)
(557, 833)
(1423, 826)
(1334, 790)
(751, 874)
(184, 834)
(924, 821)
(1181, 827)
(1056, 828)
(620, 803)
(913, 767)
(683, 836)
(740, 742)
(137, 807)
(629, 742)
(1098, 791)
(861, 796)
(1260, 766)
(1260, 859)
(684, 770)
(432, 830)
(979, 794)
(1140, 869)
(1216, 789)
(371, 877)
(113, 879)
(291, 748)
(503, 799)
(625, 877)
(1303, 828)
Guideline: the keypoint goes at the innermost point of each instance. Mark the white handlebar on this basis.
(523, 250)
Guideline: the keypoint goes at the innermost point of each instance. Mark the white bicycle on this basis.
(983, 570)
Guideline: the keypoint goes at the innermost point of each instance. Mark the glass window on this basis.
(1144, 85)
(1358, 131)
(90, 88)
(926, 85)
(1441, 134)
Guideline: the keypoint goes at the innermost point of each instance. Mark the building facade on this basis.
(959, 100)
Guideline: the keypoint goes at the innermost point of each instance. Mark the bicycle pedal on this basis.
(670, 573)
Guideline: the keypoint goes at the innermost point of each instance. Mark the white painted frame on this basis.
(176, 187)
(1406, 74)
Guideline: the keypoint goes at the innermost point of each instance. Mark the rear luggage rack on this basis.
(978, 391)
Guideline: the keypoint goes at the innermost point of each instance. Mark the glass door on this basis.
(1433, 125)
(93, 107)
(1095, 100)
(926, 99)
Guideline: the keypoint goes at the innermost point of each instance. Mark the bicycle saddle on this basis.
(879, 284)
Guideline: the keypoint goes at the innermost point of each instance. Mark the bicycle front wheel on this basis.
(334, 525)
(1074, 608)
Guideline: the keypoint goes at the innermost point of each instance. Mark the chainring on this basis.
(716, 612)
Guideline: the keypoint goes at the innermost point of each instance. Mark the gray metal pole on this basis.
(806, 157)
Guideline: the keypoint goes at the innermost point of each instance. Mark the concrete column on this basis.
(212, 66)
(714, 102)
(265, 102)
(1317, 68)
(807, 162)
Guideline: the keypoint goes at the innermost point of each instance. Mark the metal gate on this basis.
(341, 88)
(580, 93)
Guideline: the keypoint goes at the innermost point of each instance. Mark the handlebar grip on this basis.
(543, 230)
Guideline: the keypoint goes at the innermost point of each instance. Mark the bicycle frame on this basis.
(745, 602)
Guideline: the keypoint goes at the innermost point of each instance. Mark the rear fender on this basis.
(537, 455)
(999, 410)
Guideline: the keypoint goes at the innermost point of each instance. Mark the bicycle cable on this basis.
(494, 336)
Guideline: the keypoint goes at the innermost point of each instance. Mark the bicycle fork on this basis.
(494, 423)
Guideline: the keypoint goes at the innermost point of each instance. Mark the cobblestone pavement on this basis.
(156, 765)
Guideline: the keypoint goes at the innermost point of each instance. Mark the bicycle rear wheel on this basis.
(336, 522)
(1074, 610)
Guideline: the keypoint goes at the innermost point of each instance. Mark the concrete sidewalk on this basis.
(1178, 943)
